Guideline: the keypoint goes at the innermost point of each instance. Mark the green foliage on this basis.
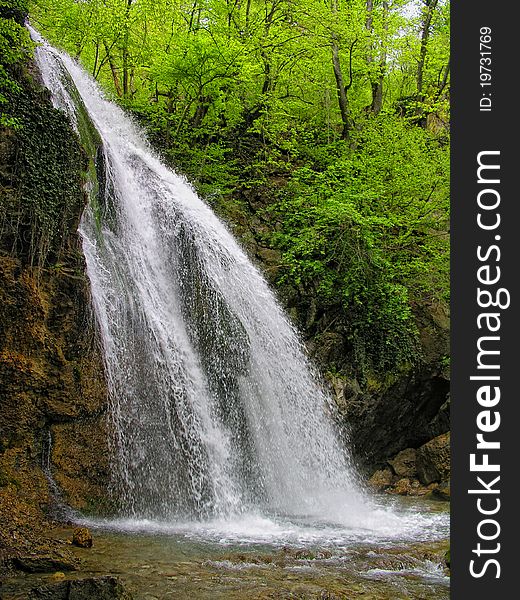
(332, 249)
(400, 174)
(14, 51)
(368, 231)
(41, 176)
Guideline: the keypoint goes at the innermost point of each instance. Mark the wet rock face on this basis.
(387, 415)
(407, 414)
(51, 384)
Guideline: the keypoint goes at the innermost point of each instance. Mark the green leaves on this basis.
(368, 233)
(243, 98)
(14, 51)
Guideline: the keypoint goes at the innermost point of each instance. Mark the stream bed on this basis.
(262, 558)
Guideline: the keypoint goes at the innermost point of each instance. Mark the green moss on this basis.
(42, 195)
(41, 161)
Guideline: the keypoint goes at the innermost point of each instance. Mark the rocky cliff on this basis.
(53, 439)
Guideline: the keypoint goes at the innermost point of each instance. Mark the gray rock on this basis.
(404, 463)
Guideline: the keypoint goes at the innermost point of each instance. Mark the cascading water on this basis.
(215, 409)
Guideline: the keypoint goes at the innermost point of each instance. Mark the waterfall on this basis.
(214, 407)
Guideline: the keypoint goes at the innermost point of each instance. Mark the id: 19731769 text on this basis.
(485, 103)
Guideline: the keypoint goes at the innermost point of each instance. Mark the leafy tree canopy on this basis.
(344, 104)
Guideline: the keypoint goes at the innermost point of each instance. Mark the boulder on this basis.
(42, 563)
(82, 537)
(433, 460)
(403, 487)
(381, 479)
(442, 491)
(404, 463)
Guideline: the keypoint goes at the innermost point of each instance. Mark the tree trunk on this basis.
(125, 49)
(377, 85)
(96, 58)
(428, 10)
(340, 82)
(248, 10)
(113, 69)
(444, 82)
(267, 84)
(201, 111)
(125, 73)
(341, 89)
(377, 78)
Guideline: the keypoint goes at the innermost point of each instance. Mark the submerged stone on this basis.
(98, 588)
(45, 563)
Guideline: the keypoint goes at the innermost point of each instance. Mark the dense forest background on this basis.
(318, 129)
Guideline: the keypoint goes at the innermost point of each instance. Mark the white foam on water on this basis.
(383, 526)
